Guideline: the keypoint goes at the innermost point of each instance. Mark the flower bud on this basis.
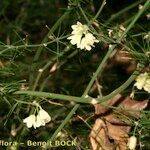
(132, 143)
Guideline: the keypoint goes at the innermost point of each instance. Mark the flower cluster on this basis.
(39, 120)
(81, 37)
(143, 82)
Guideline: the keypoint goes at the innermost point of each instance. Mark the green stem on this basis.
(64, 122)
(47, 65)
(120, 89)
(11, 47)
(84, 98)
(99, 11)
(56, 25)
(88, 87)
(39, 50)
(145, 6)
(115, 16)
(38, 53)
(62, 63)
(99, 69)
(56, 96)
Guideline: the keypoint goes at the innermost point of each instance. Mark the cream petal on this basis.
(30, 121)
(45, 117)
(88, 47)
(39, 122)
(139, 85)
(87, 42)
(140, 80)
(147, 85)
(79, 28)
(132, 143)
(75, 39)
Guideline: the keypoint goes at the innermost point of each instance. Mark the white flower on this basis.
(75, 39)
(140, 80)
(81, 37)
(140, 7)
(30, 121)
(45, 117)
(39, 122)
(77, 33)
(110, 32)
(143, 81)
(42, 118)
(148, 16)
(132, 143)
(87, 42)
(147, 36)
(79, 29)
(36, 121)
